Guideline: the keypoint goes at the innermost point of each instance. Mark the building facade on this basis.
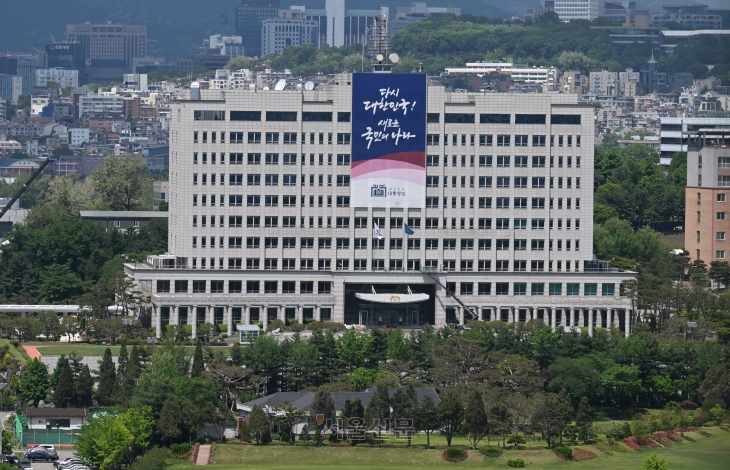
(418, 11)
(63, 77)
(250, 16)
(676, 132)
(603, 83)
(290, 28)
(109, 43)
(261, 225)
(707, 216)
(568, 10)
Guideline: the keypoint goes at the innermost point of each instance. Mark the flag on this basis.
(407, 229)
(377, 232)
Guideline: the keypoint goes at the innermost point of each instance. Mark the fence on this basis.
(48, 436)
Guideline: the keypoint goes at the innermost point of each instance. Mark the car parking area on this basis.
(62, 454)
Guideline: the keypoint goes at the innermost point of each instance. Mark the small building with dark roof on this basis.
(55, 418)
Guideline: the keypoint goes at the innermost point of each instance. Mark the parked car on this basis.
(47, 446)
(66, 461)
(11, 459)
(41, 453)
(23, 463)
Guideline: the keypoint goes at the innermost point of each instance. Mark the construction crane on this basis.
(51, 35)
(25, 186)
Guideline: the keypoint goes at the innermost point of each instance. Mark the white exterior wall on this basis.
(63, 77)
(77, 137)
(560, 265)
(101, 104)
(576, 9)
(335, 22)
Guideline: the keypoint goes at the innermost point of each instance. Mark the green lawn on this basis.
(86, 349)
(707, 452)
(18, 354)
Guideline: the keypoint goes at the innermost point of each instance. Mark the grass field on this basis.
(86, 349)
(710, 451)
(18, 354)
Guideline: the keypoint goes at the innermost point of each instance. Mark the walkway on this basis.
(203, 455)
(32, 352)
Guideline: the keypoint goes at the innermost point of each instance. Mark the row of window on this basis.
(484, 223)
(271, 116)
(538, 182)
(468, 118)
(503, 161)
(270, 179)
(307, 264)
(502, 140)
(343, 138)
(325, 287)
(501, 244)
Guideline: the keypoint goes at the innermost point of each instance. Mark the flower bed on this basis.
(688, 428)
(583, 454)
(674, 436)
(645, 441)
(632, 443)
(454, 454)
(662, 438)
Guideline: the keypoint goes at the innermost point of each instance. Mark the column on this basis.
(209, 309)
(266, 316)
(317, 313)
(571, 320)
(230, 320)
(193, 318)
(175, 315)
(461, 315)
(534, 313)
(615, 318)
(627, 322)
(158, 321)
(552, 318)
(246, 315)
(282, 314)
(581, 317)
(564, 317)
(590, 321)
(300, 314)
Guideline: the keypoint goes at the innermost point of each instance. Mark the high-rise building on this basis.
(676, 133)
(350, 29)
(693, 15)
(406, 16)
(107, 44)
(576, 9)
(23, 66)
(280, 208)
(64, 78)
(250, 16)
(707, 215)
(11, 87)
(290, 28)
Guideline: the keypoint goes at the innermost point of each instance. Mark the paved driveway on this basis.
(49, 466)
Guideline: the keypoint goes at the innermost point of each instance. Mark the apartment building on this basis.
(677, 132)
(707, 215)
(64, 78)
(568, 10)
(106, 44)
(488, 216)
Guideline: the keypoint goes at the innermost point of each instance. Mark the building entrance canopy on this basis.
(397, 298)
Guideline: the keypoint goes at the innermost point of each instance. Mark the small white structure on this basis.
(55, 418)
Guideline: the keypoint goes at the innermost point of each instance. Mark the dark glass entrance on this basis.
(384, 315)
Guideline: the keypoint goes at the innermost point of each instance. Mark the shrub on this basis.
(274, 325)
(618, 447)
(518, 463)
(688, 405)
(154, 459)
(583, 454)
(662, 437)
(674, 436)
(645, 441)
(334, 326)
(604, 447)
(490, 452)
(454, 454)
(180, 450)
(564, 451)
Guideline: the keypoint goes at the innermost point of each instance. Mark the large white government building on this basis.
(261, 226)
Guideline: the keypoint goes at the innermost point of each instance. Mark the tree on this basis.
(198, 365)
(450, 414)
(170, 423)
(500, 420)
(64, 394)
(106, 392)
(33, 385)
(104, 441)
(584, 420)
(122, 183)
(553, 415)
(237, 354)
(404, 403)
(292, 417)
(322, 413)
(720, 272)
(426, 418)
(379, 409)
(654, 463)
(140, 424)
(84, 388)
(258, 423)
(475, 419)
(60, 364)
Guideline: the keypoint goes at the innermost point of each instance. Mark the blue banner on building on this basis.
(388, 140)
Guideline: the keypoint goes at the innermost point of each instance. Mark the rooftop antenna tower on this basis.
(379, 46)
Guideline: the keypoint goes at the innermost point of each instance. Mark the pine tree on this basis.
(198, 364)
(106, 393)
(584, 420)
(170, 423)
(84, 388)
(74, 360)
(322, 413)
(134, 366)
(258, 424)
(53, 379)
(450, 413)
(404, 406)
(475, 419)
(122, 363)
(237, 354)
(426, 416)
(379, 409)
(64, 394)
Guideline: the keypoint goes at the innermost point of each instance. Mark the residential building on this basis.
(109, 45)
(406, 16)
(576, 9)
(38, 102)
(8, 147)
(63, 77)
(250, 16)
(11, 87)
(135, 81)
(160, 191)
(290, 28)
(106, 104)
(692, 15)
(507, 190)
(603, 83)
(231, 46)
(230, 79)
(535, 12)
(78, 137)
(677, 132)
(520, 73)
(122, 220)
(573, 82)
(707, 216)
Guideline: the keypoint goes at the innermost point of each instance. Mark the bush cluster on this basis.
(517, 463)
(564, 451)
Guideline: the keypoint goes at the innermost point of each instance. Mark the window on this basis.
(721, 197)
(538, 140)
(720, 216)
(432, 181)
(235, 221)
(538, 181)
(272, 158)
(555, 289)
(343, 138)
(608, 289)
(503, 140)
(502, 288)
(251, 180)
(503, 161)
(271, 180)
(343, 222)
(253, 221)
(538, 203)
(323, 265)
(590, 289)
(519, 288)
(235, 287)
(720, 254)
(163, 286)
(271, 201)
(573, 289)
(502, 182)
(432, 139)
(209, 115)
(252, 263)
(306, 264)
(486, 181)
(458, 118)
(502, 203)
(251, 201)
(343, 180)
(234, 242)
(285, 116)
(565, 119)
(494, 118)
(432, 223)
(485, 202)
(245, 115)
(234, 263)
(520, 203)
(199, 287)
(520, 141)
(723, 180)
